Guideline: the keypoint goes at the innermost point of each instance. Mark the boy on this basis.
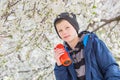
(91, 59)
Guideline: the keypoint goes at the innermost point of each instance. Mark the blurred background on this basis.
(27, 35)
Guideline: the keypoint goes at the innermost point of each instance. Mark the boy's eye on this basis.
(59, 30)
(67, 27)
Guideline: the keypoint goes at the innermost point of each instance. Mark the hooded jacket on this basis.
(99, 62)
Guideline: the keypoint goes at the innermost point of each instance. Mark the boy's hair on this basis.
(58, 21)
(70, 17)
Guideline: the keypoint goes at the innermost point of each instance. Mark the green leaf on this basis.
(1, 55)
(94, 7)
(10, 36)
(94, 13)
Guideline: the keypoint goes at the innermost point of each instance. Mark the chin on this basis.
(68, 40)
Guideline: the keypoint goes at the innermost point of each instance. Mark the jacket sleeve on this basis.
(106, 61)
(61, 72)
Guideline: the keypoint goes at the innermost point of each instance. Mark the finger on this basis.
(59, 51)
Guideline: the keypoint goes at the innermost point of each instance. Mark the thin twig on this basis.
(107, 22)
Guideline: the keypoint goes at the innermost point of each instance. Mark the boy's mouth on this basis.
(67, 36)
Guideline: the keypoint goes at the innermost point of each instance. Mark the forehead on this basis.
(62, 21)
(63, 24)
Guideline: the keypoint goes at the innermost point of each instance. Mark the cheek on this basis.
(74, 34)
(60, 34)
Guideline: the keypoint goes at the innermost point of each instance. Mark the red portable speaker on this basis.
(64, 59)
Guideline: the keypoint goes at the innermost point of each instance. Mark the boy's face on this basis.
(66, 31)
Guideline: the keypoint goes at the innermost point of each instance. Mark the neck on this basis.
(74, 42)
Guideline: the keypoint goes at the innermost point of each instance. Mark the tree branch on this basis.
(107, 22)
(12, 4)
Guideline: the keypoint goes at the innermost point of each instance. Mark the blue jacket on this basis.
(99, 62)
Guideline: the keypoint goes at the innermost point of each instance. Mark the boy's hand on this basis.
(58, 53)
